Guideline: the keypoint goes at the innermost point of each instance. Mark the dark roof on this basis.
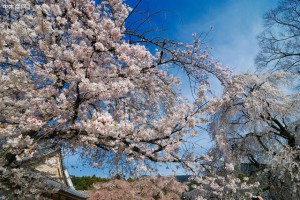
(68, 191)
(191, 195)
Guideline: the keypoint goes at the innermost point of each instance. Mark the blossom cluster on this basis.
(70, 76)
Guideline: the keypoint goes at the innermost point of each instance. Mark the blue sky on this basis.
(236, 24)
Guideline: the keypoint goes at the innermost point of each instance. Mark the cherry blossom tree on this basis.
(73, 76)
(219, 178)
(145, 188)
(261, 128)
(224, 186)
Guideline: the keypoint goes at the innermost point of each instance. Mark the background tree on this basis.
(73, 76)
(280, 40)
(86, 182)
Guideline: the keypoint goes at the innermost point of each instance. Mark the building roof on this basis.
(68, 191)
(60, 179)
(191, 195)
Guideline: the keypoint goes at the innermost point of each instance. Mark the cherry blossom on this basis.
(71, 77)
